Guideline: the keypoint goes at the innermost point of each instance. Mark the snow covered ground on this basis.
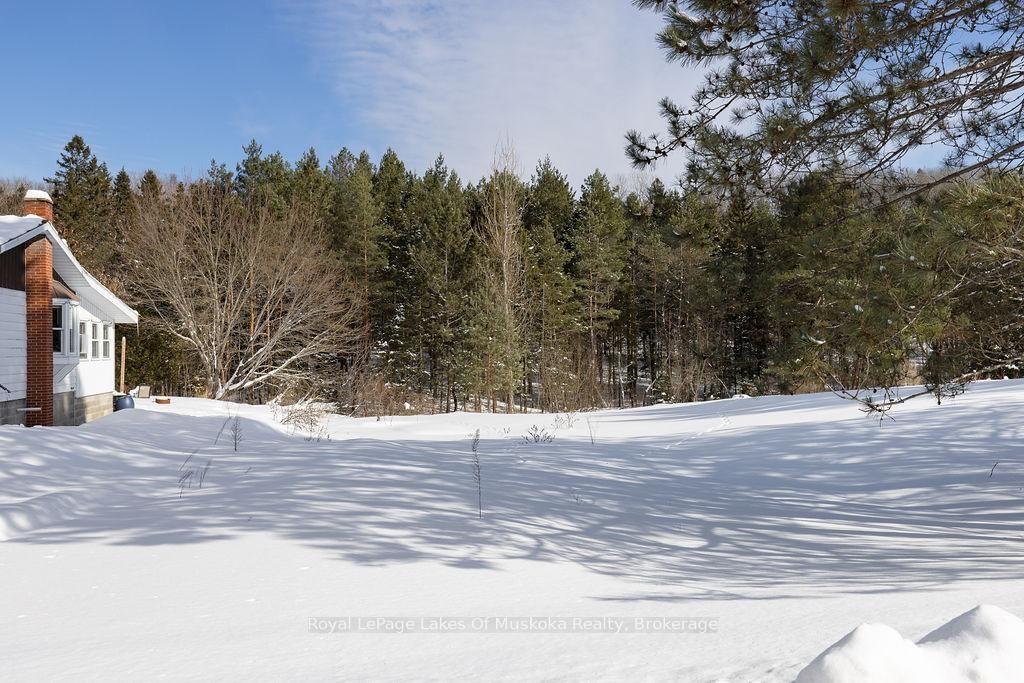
(735, 540)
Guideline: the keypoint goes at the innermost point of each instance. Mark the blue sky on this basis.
(170, 85)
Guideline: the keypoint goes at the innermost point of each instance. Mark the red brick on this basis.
(39, 329)
(39, 207)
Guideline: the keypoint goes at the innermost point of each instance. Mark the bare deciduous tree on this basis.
(478, 479)
(255, 294)
(12, 192)
(505, 271)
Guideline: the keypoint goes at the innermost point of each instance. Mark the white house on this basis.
(57, 341)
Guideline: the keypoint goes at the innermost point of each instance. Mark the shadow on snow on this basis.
(905, 505)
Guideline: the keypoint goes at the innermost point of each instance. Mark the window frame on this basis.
(69, 323)
(83, 340)
(58, 341)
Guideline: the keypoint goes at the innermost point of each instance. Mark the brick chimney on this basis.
(38, 203)
(39, 316)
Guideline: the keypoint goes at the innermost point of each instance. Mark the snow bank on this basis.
(781, 518)
(40, 511)
(984, 644)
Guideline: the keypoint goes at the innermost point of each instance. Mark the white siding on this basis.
(90, 376)
(12, 344)
(93, 375)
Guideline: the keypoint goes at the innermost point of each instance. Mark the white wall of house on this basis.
(91, 357)
(86, 364)
(96, 373)
(95, 378)
(90, 352)
(12, 344)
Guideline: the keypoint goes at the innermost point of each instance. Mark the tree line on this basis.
(366, 283)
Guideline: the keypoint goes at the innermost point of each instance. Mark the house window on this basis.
(83, 341)
(58, 329)
(95, 341)
(106, 341)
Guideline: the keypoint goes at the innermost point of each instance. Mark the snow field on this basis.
(790, 521)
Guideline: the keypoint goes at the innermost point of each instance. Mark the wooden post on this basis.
(124, 346)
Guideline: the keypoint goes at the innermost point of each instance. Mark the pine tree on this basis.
(550, 201)
(358, 234)
(739, 264)
(391, 185)
(660, 343)
(792, 87)
(311, 185)
(358, 237)
(811, 262)
(150, 186)
(83, 210)
(440, 263)
(553, 327)
(391, 190)
(656, 236)
(123, 197)
(124, 208)
(842, 291)
(640, 230)
(258, 176)
(599, 249)
(957, 258)
(218, 175)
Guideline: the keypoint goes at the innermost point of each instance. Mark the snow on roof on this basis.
(16, 230)
(39, 194)
(15, 226)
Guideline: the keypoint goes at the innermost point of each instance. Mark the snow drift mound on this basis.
(984, 644)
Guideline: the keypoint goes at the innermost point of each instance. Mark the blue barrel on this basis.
(123, 402)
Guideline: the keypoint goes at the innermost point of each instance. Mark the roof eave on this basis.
(107, 303)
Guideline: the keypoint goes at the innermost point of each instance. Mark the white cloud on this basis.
(565, 78)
